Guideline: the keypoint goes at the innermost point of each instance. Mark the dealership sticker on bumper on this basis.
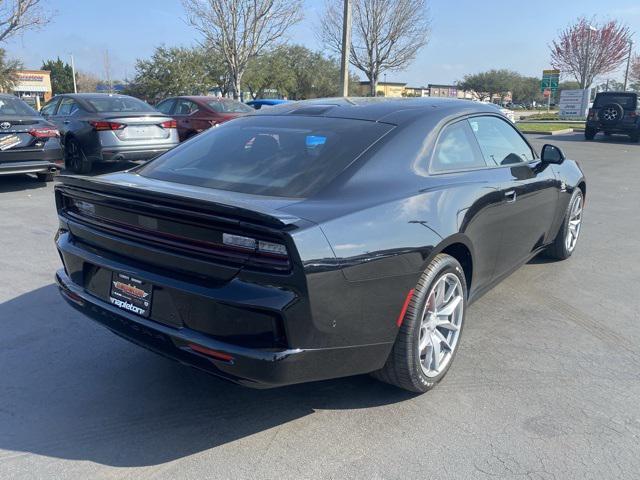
(9, 141)
(131, 294)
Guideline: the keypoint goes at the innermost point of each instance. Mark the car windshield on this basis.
(626, 100)
(290, 156)
(119, 104)
(228, 106)
(15, 106)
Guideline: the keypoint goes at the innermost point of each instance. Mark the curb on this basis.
(555, 132)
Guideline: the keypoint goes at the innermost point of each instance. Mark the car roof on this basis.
(378, 109)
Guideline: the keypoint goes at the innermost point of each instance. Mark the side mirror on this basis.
(551, 154)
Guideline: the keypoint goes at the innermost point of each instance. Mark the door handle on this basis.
(67, 122)
(510, 196)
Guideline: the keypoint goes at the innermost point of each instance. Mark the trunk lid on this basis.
(192, 230)
(140, 126)
(14, 133)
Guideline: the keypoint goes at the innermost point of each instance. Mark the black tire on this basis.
(558, 250)
(46, 177)
(590, 133)
(74, 158)
(635, 136)
(403, 367)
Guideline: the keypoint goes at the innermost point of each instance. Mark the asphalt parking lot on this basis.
(546, 384)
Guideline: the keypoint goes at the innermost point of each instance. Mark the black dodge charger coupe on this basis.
(317, 239)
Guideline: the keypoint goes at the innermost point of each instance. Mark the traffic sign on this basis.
(550, 79)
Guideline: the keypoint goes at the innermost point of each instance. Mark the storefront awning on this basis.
(30, 88)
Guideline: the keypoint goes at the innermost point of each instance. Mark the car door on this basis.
(470, 195)
(183, 112)
(65, 115)
(528, 188)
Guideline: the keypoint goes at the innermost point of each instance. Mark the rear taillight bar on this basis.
(102, 126)
(44, 132)
(169, 124)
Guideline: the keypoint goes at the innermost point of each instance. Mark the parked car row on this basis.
(79, 130)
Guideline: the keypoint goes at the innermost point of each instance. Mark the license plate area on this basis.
(130, 293)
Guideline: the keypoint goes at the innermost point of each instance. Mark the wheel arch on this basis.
(459, 247)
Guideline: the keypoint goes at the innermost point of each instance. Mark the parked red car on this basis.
(197, 113)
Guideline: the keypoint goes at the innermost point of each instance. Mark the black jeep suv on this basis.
(614, 112)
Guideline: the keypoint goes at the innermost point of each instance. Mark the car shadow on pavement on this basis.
(17, 183)
(72, 390)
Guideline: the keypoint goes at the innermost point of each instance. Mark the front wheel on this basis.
(567, 237)
(428, 337)
(590, 133)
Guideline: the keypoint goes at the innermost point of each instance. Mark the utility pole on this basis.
(73, 72)
(346, 48)
(626, 73)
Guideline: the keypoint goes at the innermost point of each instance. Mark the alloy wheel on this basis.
(575, 221)
(440, 324)
(610, 114)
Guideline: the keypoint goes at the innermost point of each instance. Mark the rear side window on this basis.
(456, 150)
(229, 106)
(110, 103)
(289, 156)
(627, 101)
(500, 143)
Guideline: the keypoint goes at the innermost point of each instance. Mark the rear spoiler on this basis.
(154, 192)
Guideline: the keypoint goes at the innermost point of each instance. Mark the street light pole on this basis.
(73, 72)
(346, 48)
(626, 73)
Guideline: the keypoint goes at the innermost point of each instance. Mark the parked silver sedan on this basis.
(100, 127)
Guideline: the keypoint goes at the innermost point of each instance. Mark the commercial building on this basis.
(33, 86)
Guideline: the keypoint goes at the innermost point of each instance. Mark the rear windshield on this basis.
(229, 106)
(290, 156)
(119, 104)
(15, 106)
(626, 100)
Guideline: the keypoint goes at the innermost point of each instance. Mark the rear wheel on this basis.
(428, 338)
(74, 158)
(590, 133)
(567, 237)
(635, 136)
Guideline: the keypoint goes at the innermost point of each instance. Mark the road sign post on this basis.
(549, 83)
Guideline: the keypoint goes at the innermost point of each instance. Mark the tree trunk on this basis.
(373, 83)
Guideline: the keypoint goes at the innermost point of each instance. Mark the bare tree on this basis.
(19, 15)
(241, 29)
(385, 34)
(87, 82)
(586, 49)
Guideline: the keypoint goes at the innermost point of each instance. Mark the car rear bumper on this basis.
(122, 154)
(30, 161)
(620, 127)
(257, 368)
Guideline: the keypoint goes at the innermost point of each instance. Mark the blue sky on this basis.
(467, 36)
